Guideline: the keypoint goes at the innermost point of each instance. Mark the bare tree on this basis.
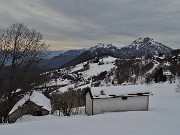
(68, 102)
(21, 49)
(64, 102)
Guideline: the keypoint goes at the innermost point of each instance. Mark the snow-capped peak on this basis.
(145, 46)
(102, 45)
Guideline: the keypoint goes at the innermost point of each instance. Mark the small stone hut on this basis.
(35, 104)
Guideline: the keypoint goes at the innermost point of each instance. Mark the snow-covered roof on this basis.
(36, 97)
(116, 91)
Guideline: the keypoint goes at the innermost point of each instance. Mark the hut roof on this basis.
(37, 97)
(116, 91)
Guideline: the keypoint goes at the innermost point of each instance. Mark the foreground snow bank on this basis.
(163, 118)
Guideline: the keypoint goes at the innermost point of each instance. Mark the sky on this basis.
(74, 24)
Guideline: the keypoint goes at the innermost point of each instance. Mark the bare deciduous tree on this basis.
(21, 49)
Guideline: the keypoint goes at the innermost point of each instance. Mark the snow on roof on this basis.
(107, 92)
(36, 97)
(20, 103)
(41, 100)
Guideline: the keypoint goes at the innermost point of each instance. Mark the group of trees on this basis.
(21, 48)
(159, 77)
(131, 69)
(126, 69)
(68, 102)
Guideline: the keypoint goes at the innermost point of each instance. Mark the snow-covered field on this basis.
(95, 68)
(163, 118)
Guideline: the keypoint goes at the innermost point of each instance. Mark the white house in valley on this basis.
(167, 73)
(116, 99)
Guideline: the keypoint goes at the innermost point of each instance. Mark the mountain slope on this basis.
(99, 50)
(57, 61)
(145, 46)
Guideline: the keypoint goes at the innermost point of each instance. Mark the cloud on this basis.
(82, 23)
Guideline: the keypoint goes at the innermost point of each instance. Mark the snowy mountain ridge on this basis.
(140, 47)
(104, 46)
(145, 46)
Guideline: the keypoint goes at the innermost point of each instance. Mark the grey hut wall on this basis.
(101, 105)
(89, 104)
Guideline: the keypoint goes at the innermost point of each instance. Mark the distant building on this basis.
(116, 99)
(167, 73)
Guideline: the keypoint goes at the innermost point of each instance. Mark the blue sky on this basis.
(72, 24)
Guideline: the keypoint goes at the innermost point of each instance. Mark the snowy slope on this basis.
(156, 64)
(90, 72)
(68, 75)
(96, 69)
(161, 119)
(93, 73)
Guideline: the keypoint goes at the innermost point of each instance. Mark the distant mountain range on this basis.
(140, 47)
(60, 59)
(51, 54)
